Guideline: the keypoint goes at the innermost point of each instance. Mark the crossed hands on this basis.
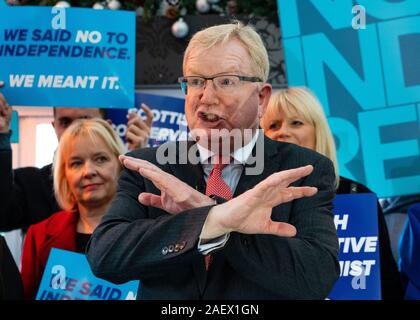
(248, 213)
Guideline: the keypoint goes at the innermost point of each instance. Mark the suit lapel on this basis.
(193, 175)
(271, 162)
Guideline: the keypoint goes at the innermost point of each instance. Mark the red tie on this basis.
(218, 187)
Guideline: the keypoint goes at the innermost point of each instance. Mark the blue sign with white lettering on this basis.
(71, 57)
(68, 276)
(356, 220)
(362, 61)
(169, 122)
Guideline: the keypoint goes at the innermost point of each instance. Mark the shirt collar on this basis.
(240, 155)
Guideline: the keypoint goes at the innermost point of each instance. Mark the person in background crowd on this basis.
(296, 116)
(10, 281)
(395, 211)
(86, 170)
(26, 194)
(409, 254)
(209, 228)
(399, 204)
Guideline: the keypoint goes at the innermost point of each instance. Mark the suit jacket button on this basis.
(171, 248)
(165, 250)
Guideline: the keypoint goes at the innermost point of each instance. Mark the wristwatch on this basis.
(217, 199)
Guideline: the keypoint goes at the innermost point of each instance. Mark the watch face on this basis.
(217, 199)
(212, 196)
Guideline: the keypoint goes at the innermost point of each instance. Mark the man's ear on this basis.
(264, 97)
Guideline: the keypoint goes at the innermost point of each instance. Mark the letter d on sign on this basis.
(58, 280)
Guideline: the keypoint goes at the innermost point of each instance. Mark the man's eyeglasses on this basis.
(225, 83)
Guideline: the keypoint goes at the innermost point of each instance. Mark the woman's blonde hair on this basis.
(92, 130)
(302, 101)
(221, 34)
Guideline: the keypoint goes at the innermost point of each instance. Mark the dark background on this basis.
(159, 54)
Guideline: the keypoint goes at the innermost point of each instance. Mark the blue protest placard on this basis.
(361, 59)
(68, 276)
(169, 122)
(71, 57)
(14, 126)
(356, 220)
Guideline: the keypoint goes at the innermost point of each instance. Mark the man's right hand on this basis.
(175, 195)
(250, 212)
(5, 113)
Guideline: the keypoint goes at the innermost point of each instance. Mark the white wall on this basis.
(25, 152)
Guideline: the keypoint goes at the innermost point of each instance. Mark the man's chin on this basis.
(222, 141)
(210, 134)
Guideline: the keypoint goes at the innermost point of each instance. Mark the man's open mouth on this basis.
(207, 116)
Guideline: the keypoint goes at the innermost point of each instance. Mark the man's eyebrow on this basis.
(64, 119)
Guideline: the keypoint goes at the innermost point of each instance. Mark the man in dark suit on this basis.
(10, 281)
(206, 226)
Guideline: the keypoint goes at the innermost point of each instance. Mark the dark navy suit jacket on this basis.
(132, 240)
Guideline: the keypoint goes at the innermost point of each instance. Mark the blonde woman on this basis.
(296, 116)
(86, 170)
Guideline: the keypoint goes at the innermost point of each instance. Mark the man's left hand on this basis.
(176, 196)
